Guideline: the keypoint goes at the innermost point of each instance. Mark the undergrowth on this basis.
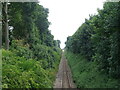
(86, 74)
(22, 68)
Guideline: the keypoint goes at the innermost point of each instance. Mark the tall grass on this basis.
(86, 74)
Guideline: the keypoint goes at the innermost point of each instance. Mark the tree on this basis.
(98, 39)
(5, 24)
(0, 25)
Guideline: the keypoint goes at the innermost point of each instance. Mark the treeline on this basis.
(98, 39)
(33, 56)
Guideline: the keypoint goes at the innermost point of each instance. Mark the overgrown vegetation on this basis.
(97, 40)
(33, 58)
(86, 74)
(22, 71)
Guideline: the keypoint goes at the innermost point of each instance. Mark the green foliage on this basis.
(57, 43)
(107, 39)
(47, 54)
(98, 39)
(29, 22)
(20, 70)
(21, 73)
(81, 42)
(33, 58)
(87, 75)
(21, 49)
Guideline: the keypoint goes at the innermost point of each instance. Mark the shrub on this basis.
(21, 73)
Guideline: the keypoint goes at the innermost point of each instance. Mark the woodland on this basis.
(94, 49)
(30, 55)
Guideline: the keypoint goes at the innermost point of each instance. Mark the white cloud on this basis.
(67, 15)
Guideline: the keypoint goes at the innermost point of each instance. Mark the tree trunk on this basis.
(6, 26)
(0, 25)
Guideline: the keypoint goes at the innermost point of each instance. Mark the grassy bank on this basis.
(86, 74)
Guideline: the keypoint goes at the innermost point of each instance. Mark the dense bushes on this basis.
(22, 71)
(19, 72)
(98, 39)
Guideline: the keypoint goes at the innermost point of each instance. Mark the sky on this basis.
(66, 16)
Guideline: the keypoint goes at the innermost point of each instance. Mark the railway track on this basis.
(66, 81)
(64, 77)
